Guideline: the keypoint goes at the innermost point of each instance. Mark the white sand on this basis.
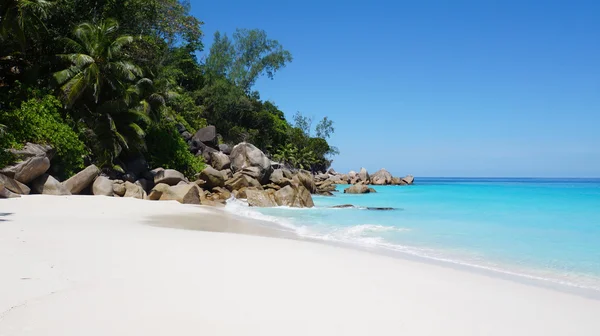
(90, 266)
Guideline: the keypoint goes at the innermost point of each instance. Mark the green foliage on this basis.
(39, 121)
(250, 55)
(167, 149)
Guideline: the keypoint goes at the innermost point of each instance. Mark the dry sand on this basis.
(94, 266)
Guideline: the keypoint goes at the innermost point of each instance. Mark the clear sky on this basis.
(438, 88)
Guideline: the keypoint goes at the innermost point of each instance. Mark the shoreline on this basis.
(94, 264)
(244, 224)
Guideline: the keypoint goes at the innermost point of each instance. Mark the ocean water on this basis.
(542, 229)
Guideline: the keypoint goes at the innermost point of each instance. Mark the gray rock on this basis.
(48, 185)
(306, 179)
(245, 155)
(381, 177)
(358, 189)
(219, 160)
(168, 176)
(278, 178)
(363, 176)
(207, 152)
(296, 196)
(13, 185)
(213, 177)
(207, 136)
(261, 198)
(34, 162)
(226, 149)
(5, 193)
(409, 179)
(82, 180)
(187, 136)
(185, 194)
(102, 186)
(398, 181)
(227, 173)
(180, 127)
(157, 192)
(331, 171)
(118, 187)
(134, 190)
(240, 180)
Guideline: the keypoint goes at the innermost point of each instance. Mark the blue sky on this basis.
(438, 88)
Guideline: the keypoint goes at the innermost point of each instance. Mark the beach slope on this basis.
(95, 266)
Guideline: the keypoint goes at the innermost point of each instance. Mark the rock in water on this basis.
(208, 136)
(409, 179)
(363, 176)
(306, 179)
(358, 189)
(212, 177)
(296, 196)
(219, 160)
(261, 198)
(82, 180)
(397, 181)
(381, 177)
(246, 155)
(13, 185)
(48, 185)
(168, 176)
(104, 187)
(35, 161)
(134, 190)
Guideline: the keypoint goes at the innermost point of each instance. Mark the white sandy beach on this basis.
(93, 266)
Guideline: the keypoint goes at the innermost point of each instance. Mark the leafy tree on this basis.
(250, 55)
(324, 128)
(20, 18)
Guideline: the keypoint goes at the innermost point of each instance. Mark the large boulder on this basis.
(239, 181)
(363, 176)
(212, 177)
(225, 148)
(207, 136)
(352, 174)
(325, 187)
(206, 153)
(157, 192)
(381, 177)
(82, 180)
(358, 189)
(34, 162)
(331, 171)
(168, 176)
(227, 173)
(219, 160)
(246, 155)
(134, 190)
(261, 198)
(183, 193)
(409, 179)
(103, 187)
(296, 196)
(48, 185)
(306, 179)
(13, 185)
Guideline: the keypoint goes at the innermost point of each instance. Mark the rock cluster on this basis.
(242, 171)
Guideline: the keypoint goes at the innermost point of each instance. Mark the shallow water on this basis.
(544, 229)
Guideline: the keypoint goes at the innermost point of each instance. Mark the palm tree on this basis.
(106, 89)
(17, 16)
(97, 63)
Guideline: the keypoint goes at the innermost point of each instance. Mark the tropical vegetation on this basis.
(106, 82)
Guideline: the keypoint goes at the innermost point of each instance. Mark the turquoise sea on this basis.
(542, 229)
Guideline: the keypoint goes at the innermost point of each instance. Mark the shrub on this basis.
(38, 121)
(167, 149)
